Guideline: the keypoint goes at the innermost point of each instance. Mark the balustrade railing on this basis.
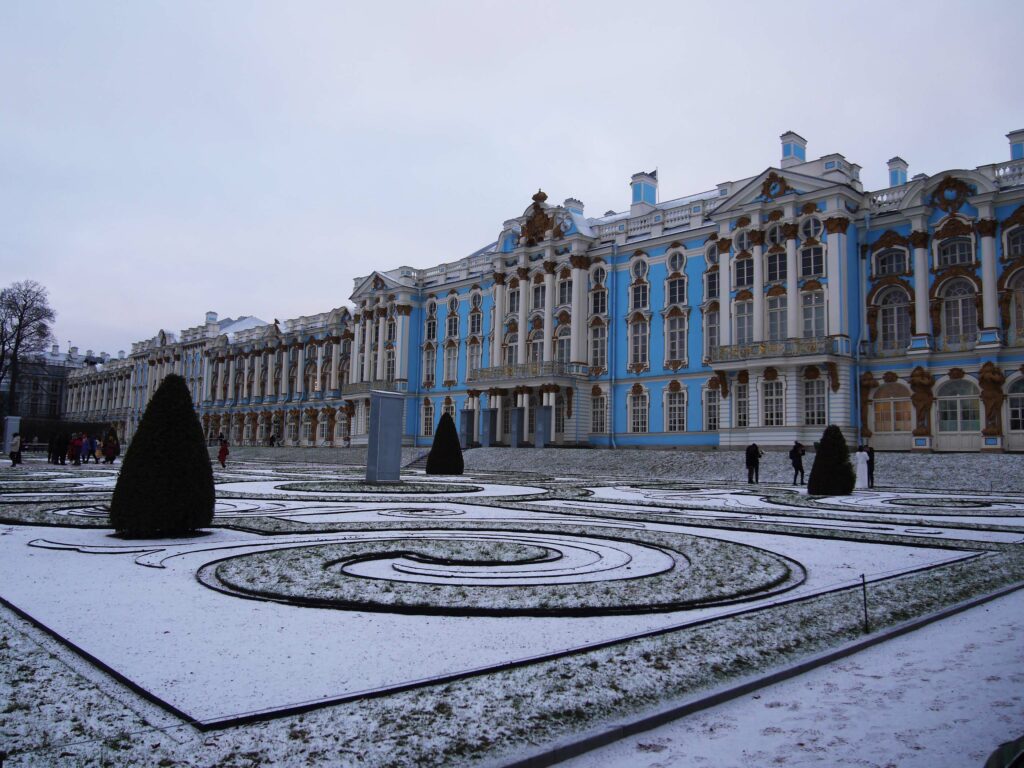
(828, 345)
(365, 386)
(529, 370)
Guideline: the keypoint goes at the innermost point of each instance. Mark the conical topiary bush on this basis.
(832, 473)
(445, 457)
(166, 483)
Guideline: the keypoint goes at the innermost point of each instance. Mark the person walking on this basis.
(861, 459)
(871, 467)
(75, 451)
(753, 457)
(15, 454)
(51, 449)
(796, 457)
(84, 448)
(222, 454)
(61, 448)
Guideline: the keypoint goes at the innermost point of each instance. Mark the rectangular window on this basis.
(814, 403)
(776, 318)
(742, 405)
(675, 411)
(513, 301)
(452, 326)
(813, 304)
(677, 291)
(638, 413)
(598, 346)
(451, 363)
(675, 338)
(776, 267)
(639, 296)
(744, 322)
(565, 292)
(712, 285)
(475, 357)
(638, 343)
(774, 405)
(711, 332)
(429, 365)
(599, 302)
(475, 323)
(538, 297)
(598, 414)
(744, 273)
(389, 367)
(812, 262)
(1017, 413)
(711, 410)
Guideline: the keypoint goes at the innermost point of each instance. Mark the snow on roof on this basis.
(231, 327)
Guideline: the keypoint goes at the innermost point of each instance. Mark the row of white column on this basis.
(104, 394)
(577, 342)
(253, 364)
(365, 352)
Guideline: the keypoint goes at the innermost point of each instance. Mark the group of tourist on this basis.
(79, 447)
(864, 464)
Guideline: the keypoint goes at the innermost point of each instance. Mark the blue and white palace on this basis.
(759, 311)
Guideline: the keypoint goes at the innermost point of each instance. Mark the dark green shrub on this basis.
(166, 483)
(832, 473)
(445, 457)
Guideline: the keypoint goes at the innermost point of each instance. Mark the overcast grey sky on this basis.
(162, 159)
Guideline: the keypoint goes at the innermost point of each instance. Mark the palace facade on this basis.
(759, 311)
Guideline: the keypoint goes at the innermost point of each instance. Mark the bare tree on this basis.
(25, 319)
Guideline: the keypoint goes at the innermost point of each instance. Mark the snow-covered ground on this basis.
(147, 610)
(944, 696)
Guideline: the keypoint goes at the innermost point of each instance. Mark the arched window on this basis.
(742, 241)
(474, 356)
(812, 303)
(639, 289)
(675, 338)
(959, 315)
(562, 340)
(1016, 288)
(429, 366)
(711, 401)
(676, 262)
(959, 408)
(958, 250)
(891, 407)
(811, 228)
(815, 403)
(777, 312)
(675, 291)
(744, 322)
(598, 413)
(892, 261)
(598, 346)
(894, 321)
(638, 338)
(710, 332)
(510, 349)
(430, 333)
(535, 347)
(452, 323)
(428, 418)
(1016, 400)
(451, 363)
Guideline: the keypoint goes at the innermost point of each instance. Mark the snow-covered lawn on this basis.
(176, 618)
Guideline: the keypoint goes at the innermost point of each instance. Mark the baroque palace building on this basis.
(759, 311)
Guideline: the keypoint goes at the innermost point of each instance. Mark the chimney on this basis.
(1016, 144)
(73, 352)
(120, 354)
(55, 349)
(897, 172)
(794, 149)
(211, 317)
(645, 192)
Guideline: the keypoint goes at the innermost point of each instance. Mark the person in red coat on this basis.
(222, 454)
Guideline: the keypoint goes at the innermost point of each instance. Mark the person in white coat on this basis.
(861, 465)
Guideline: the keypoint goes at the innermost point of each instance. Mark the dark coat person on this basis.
(796, 457)
(222, 454)
(871, 467)
(753, 456)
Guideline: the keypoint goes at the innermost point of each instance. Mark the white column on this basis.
(725, 292)
(989, 297)
(246, 365)
(524, 296)
(150, 378)
(757, 238)
(497, 402)
(792, 283)
(207, 377)
(258, 375)
(578, 321)
(401, 353)
(921, 322)
(300, 371)
(232, 372)
(355, 361)
(320, 365)
(498, 329)
(549, 309)
(335, 362)
(285, 386)
(382, 321)
(794, 395)
(835, 257)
